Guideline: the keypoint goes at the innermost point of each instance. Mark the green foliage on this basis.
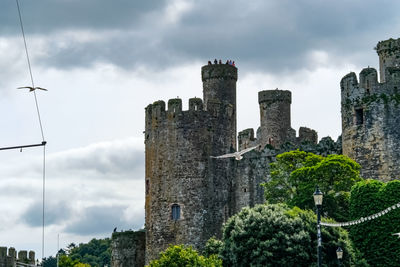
(374, 238)
(180, 256)
(65, 261)
(97, 252)
(50, 262)
(213, 247)
(275, 235)
(295, 174)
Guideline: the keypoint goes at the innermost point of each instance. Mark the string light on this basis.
(363, 219)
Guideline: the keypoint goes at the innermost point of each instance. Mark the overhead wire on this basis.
(40, 124)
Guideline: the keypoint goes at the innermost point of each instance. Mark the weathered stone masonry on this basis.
(11, 259)
(371, 115)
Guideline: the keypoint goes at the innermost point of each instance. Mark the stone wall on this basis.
(10, 259)
(128, 249)
(371, 115)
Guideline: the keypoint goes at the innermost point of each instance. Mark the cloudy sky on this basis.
(104, 61)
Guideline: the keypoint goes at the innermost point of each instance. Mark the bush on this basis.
(180, 256)
(275, 235)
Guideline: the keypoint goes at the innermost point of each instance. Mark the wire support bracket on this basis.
(23, 146)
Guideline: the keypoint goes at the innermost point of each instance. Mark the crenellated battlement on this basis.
(156, 113)
(349, 81)
(246, 138)
(8, 257)
(369, 79)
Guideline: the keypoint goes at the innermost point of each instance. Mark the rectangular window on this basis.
(176, 212)
(359, 116)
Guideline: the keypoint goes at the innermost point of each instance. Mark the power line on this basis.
(40, 124)
(30, 68)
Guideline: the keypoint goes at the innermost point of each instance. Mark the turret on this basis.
(275, 128)
(219, 95)
(389, 56)
(187, 191)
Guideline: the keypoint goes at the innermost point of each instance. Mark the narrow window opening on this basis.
(359, 116)
(245, 189)
(195, 107)
(174, 110)
(175, 212)
(147, 186)
(367, 84)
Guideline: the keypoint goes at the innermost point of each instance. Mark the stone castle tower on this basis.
(189, 195)
(371, 115)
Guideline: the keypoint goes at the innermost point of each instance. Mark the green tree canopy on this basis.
(65, 261)
(374, 238)
(180, 256)
(275, 235)
(295, 174)
(97, 252)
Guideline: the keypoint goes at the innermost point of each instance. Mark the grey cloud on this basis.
(270, 35)
(54, 213)
(20, 190)
(118, 160)
(54, 15)
(102, 220)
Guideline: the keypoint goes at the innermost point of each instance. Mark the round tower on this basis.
(389, 56)
(219, 96)
(275, 128)
(187, 191)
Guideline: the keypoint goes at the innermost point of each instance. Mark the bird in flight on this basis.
(237, 155)
(32, 88)
(398, 234)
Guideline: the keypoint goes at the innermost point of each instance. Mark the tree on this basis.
(275, 235)
(97, 252)
(295, 174)
(374, 238)
(180, 256)
(65, 261)
(50, 262)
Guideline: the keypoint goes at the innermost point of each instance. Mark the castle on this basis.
(10, 259)
(371, 115)
(189, 195)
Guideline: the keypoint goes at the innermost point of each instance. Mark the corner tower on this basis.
(188, 192)
(371, 115)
